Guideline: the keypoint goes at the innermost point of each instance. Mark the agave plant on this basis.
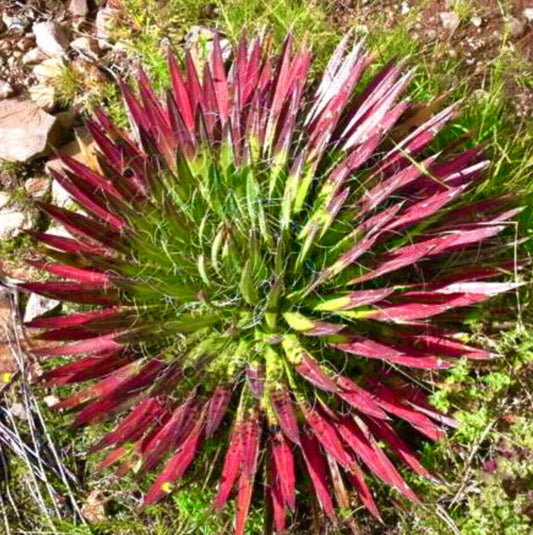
(274, 263)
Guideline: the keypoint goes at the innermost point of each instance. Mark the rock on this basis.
(37, 188)
(5, 199)
(450, 21)
(476, 21)
(44, 96)
(50, 38)
(60, 196)
(78, 8)
(516, 27)
(14, 221)
(528, 14)
(38, 305)
(86, 46)
(16, 24)
(33, 56)
(6, 90)
(404, 8)
(48, 69)
(27, 132)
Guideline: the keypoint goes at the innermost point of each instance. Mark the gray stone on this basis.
(33, 57)
(5, 199)
(450, 21)
(60, 196)
(38, 305)
(50, 38)
(6, 90)
(14, 221)
(78, 8)
(26, 131)
(16, 24)
(38, 187)
(528, 14)
(44, 96)
(517, 27)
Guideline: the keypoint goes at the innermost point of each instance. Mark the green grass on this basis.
(490, 399)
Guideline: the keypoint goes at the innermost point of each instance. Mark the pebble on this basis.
(528, 14)
(13, 223)
(476, 21)
(38, 187)
(5, 199)
(6, 90)
(38, 305)
(78, 8)
(16, 24)
(26, 131)
(516, 27)
(450, 21)
(33, 57)
(50, 38)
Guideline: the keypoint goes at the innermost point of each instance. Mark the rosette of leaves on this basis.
(276, 260)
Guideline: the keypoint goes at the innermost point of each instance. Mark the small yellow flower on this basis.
(7, 377)
(167, 486)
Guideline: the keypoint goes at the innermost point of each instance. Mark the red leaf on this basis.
(283, 407)
(276, 497)
(359, 398)
(86, 368)
(312, 371)
(374, 457)
(88, 276)
(71, 320)
(176, 466)
(92, 345)
(217, 408)
(358, 481)
(180, 96)
(171, 434)
(384, 431)
(243, 501)
(284, 469)
(326, 433)
(232, 466)
(101, 388)
(317, 469)
(251, 436)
